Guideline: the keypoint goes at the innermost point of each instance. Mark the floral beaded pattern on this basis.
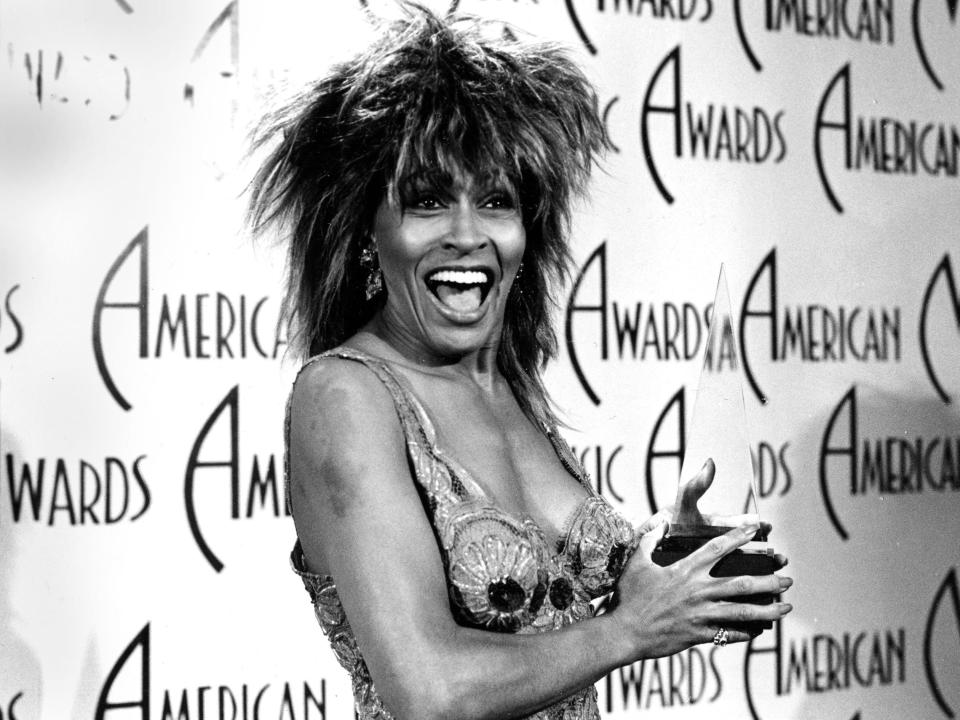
(502, 573)
(495, 573)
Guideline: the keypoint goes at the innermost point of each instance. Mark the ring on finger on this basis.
(721, 638)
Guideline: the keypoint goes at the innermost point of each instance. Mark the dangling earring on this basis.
(370, 262)
(516, 279)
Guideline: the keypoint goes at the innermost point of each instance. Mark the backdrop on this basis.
(811, 147)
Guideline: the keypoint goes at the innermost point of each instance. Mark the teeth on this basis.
(461, 277)
(460, 290)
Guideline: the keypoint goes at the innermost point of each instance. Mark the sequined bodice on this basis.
(503, 573)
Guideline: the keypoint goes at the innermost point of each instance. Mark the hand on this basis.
(689, 513)
(663, 610)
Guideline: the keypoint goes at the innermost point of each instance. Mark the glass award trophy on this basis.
(717, 489)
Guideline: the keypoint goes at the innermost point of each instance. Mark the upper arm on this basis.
(359, 516)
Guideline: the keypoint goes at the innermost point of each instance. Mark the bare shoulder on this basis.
(337, 386)
(345, 437)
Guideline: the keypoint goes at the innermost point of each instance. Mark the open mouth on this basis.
(462, 291)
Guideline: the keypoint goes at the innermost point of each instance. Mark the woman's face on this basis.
(449, 255)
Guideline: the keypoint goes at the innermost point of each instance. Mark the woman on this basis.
(449, 540)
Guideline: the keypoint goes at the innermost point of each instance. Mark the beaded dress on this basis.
(502, 573)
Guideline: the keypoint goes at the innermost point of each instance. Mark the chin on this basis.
(457, 342)
(457, 335)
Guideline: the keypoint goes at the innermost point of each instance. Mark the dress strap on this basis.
(418, 430)
(567, 458)
(413, 416)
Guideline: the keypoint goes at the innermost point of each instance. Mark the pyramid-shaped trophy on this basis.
(717, 489)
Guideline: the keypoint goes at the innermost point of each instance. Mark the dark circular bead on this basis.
(506, 596)
(616, 559)
(561, 593)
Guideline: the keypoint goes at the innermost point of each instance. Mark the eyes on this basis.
(500, 201)
(428, 201)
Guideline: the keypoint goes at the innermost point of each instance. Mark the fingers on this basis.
(654, 521)
(742, 620)
(717, 520)
(716, 548)
(650, 539)
(722, 635)
(734, 614)
(752, 585)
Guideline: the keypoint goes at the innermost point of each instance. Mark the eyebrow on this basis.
(439, 179)
(433, 179)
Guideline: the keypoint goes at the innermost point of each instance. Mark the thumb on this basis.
(699, 483)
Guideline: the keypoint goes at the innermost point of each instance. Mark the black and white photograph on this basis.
(479, 359)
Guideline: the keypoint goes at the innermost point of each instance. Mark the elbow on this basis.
(429, 700)
(429, 696)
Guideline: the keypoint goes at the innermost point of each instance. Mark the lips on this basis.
(460, 290)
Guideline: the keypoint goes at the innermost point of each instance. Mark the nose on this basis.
(466, 232)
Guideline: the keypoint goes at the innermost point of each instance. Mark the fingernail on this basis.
(750, 529)
(785, 608)
(785, 583)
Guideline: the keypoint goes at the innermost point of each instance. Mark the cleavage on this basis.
(513, 464)
(518, 479)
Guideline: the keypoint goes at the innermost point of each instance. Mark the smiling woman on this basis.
(430, 103)
(451, 544)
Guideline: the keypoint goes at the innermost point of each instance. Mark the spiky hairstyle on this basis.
(432, 94)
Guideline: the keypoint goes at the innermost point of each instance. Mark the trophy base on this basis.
(739, 562)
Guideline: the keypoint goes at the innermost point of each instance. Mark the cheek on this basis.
(398, 253)
(397, 267)
(514, 246)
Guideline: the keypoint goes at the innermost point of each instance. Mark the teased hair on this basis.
(431, 94)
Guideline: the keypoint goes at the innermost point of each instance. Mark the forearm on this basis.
(470, 673)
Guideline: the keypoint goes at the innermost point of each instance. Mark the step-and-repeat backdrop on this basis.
(811, 147)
